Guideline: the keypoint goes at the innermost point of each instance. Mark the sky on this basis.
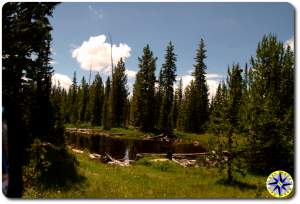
(231, 32)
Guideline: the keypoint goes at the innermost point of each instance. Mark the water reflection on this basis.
(121, 148)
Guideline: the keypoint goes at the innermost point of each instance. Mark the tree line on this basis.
(255, 104)
(154, 104)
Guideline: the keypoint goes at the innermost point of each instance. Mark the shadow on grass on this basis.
(236, 183)
(53, 168)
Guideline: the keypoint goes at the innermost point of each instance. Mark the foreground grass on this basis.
(146, 179)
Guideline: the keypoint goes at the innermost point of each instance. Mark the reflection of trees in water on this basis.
(120, 148)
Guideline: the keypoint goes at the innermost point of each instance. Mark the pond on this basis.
(123, 148)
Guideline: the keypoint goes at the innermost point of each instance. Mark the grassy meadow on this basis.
(148, 179)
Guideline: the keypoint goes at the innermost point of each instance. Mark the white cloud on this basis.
(186, 79)
(130, 73)
(64, 81)
(213, 76)
(98, 13)
(290, 42)
(212, 79)
(52, 62)
(213, 86)
(95, 54)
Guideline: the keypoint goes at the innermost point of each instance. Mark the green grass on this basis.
(147, 179)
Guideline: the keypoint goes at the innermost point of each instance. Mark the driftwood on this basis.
(161, 137)
(117, 162)
(185, 162)
(87, 131)
(95, 156)
(77, 151)
(176, 155)
(181, 155)
(154, 137)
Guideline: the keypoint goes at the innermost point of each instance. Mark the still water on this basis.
(121, 148)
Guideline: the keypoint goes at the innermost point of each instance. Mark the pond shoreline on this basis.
(121, 146)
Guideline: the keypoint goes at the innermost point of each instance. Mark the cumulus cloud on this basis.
(212, 79)
(64, 81)
(290, 42)
(130, 73)
(213, 86)
(213, 76)
(95, 54)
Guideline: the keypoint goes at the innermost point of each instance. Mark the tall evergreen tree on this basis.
(57, 100)
(97, 100)
(106, 110)
(179, 120)
(168, 79)
(144, 91)
(224, 122)
(189, 107)
(158, 98)
(200, 100)
(83, 100)
(26, 80)
(270, 125)
(235, 86)
(119, 94)
(73, 93)
(219, 104)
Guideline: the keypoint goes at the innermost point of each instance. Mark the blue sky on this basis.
(231, 32)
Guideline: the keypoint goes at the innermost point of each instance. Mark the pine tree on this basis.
(119, 94)
(57, 97)
(25, 56)
(270, 127)
(158, 99)
(106, 110)
(73, 92)
(168, 79)
(217, 110)
(144, 91)
(64, 106)
(179, 122)
(235, 85)
(175, 108)
(224, 122)
(97, 100)
(189, 109)
(200, 101)
(83, 93)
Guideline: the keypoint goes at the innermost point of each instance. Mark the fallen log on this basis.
(159, 160)
(175, 155)
(117, 162)
(77, 151)
(185, 162)
(154, 137)
(161, 137)
(95, 156)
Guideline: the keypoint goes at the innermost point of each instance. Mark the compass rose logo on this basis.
(280, 184)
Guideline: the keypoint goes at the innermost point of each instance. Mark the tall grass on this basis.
(147, 179)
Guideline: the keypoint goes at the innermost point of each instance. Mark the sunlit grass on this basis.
(146, 179)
